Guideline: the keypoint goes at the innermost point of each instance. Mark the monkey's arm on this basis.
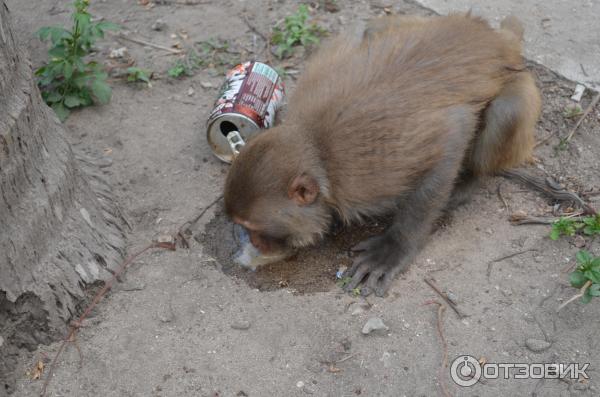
(384, 256)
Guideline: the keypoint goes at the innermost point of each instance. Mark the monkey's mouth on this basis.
(248, 256)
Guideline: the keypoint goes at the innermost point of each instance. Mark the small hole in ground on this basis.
(310, 270)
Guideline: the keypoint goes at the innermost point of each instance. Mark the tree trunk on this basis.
(59, 229)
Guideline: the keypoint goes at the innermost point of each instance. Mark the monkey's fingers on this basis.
(357, 272)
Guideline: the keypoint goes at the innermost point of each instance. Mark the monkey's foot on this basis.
(378, 263)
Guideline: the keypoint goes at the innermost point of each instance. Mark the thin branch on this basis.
(579, 295)
(588, 109)
(444, 366)
(444, 296)
(146, 43)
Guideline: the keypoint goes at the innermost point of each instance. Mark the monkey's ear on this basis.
(303, 189)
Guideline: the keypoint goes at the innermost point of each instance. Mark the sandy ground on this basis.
(178, 326)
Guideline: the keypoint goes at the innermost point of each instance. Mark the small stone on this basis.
(489, 231)
(537, 345)
(300, 384)
(357, 308)
(374, 324)
(159, 25)
(308, 390)
(206, 84)
(118, 53)
(165, 238)
(579, 90)
(579, 241)
(190, 91)
(1, 341)
(241, 325)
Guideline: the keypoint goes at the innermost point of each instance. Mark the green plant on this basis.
(67, 81)
(343, 281)
(212, 53)
(294, 32)
(589, 225)
(587, 276)
(135, 74)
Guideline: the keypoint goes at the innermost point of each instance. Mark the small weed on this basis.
(356, 291)
(587, 275)
(589, 225)
(67, 81)
(135, 74)
(572, 110)
(296, 31)
(563, 144)
(213, 53)
(344, 281)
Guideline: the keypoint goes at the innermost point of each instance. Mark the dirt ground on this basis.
(178, 325)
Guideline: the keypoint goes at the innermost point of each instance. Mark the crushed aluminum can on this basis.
(249, 99)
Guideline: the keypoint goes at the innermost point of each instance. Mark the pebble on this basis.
(166, 315)
(1, 341)
(537, 345)
(166, 238)
(579, 241)
(190, 91)
(206, 84)
(118, 53)
(300, 384)
(159, 25)
(308, 390)
(357, 308)
(241, 325)
(374, 324)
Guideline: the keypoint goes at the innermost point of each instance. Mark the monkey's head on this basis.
(277, 189)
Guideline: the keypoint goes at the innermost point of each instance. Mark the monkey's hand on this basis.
(379, 261)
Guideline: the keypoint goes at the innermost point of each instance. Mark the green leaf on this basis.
(554, 234)
(72, 101)
(595, 290)
(68, 70)
(105, 25)
(592, 275)
(101, 91)
(583, 257)
(577, 279)
(61, 111)
(53, 97)
(586, 298)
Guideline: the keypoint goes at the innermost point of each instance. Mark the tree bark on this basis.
(59, 227)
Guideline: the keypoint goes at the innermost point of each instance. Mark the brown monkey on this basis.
(387, 124)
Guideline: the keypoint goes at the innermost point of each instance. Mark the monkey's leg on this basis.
(508, 135)
(383, 257)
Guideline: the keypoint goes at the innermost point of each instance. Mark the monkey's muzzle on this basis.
(248, 256)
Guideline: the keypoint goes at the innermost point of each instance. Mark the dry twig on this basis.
(575, 297)
(146, 43)
(444, 366)
(588, 109)
(490, 263)
(444, 296)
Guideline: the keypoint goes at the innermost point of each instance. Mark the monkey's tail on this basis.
(512, 24)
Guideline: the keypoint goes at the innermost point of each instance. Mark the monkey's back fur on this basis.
(372, 116)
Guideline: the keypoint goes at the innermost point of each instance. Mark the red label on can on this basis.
(253, 89)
